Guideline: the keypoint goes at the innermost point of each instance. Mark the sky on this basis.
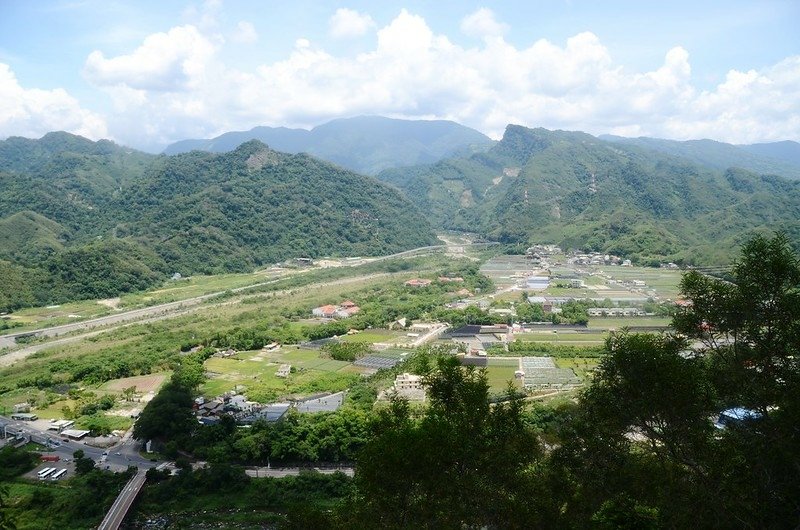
(148, 73)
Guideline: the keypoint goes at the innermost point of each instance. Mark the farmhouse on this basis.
(326, 311)
(409, 386)
(344, 310)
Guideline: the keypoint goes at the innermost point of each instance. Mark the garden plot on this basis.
(143, 383)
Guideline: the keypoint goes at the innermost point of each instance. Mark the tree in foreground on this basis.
(643, 441)
(463, 463)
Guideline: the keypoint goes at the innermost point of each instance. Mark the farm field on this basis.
(193, 286)
(507, 271)
(580, 365)
(562, 337)
(142, 383)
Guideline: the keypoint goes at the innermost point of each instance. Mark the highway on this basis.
(122, 504)
(163, 310)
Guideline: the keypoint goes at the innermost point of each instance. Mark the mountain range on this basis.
(365, 144)
(83, 219)
(583, 192)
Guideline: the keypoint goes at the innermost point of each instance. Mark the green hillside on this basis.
(27, 236)
(582, 192)
(255, 206)
(103, 220)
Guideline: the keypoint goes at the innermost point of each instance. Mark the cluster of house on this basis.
(343, 310)
(597, 258)
(615, 312)
(543, 250)
(418, 282)
(627, 283)
(246, 412)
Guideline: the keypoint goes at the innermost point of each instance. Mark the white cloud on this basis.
(172, 61)
(32, 112)
(245, 33)
(482, 23)
(349, 23)
(176, 86)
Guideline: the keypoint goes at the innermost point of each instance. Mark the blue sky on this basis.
(149, 73)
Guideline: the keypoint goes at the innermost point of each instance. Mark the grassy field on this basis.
(38, 317)
(499, 376)
(372, 336)
(255, 373)
(196, 286)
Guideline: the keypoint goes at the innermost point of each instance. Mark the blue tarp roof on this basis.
(740, 414)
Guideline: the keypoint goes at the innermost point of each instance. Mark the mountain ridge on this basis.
(583, 192)
(365, 144)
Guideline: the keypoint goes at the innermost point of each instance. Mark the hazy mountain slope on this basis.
(760, 158)
(366, 144)
(787, 151)
(571, 188)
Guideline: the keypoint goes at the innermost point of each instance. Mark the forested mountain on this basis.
(366, 144)
(96, 219)
(778, 158)
(254, 205)
(582, 192)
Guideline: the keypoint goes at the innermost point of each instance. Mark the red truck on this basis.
(50, 458)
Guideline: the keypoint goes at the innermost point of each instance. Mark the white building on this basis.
(409, 386)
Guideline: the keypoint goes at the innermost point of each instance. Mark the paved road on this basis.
(122, 504)
(116, 458)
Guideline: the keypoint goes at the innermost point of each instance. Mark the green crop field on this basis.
(499, 376)
(621, 322)
(580, 365)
